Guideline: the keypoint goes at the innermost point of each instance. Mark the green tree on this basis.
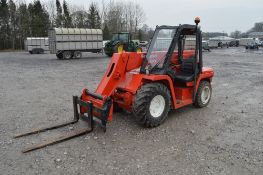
(59, 18)
(94, 20)
(106, 33)
(13, 22)
(79, 19)
(236, 34)
(98, 20)
(92, 15)
(66, 15)
(39, 19)
(140, 35)
(4, 24)
(23, 23)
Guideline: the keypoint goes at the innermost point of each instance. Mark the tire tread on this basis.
(142, 101)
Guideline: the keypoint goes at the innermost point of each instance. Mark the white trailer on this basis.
(36, 45)
(69, 43)
(213, 43)
(220, 41)
(247, 41)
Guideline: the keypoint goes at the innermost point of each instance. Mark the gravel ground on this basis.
(224, 138)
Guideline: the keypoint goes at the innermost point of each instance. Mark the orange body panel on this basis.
(180, 96)
(117, 69)
(119, 65)
(122, 80)
(187, 54)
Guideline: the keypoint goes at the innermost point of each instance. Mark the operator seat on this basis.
(187, 71)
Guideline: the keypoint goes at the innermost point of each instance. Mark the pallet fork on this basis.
(77, 102)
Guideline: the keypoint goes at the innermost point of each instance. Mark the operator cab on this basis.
(175, 51)
(123, 37)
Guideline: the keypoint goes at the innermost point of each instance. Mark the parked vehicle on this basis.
(234, 43)
(213, 44)
(260, 43)
(245, 41)
(252, 45)
(69, 43)
(220, 41)
(205, 46)
(143, 43)
(121, 42)
(36, 45)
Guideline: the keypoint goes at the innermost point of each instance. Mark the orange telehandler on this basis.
(169, 76)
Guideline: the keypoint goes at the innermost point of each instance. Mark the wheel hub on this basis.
(120, 48)
(67, 55)
(205, 96)
(138, 50)
(157, 106)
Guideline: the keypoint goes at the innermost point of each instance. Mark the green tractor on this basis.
(121, 42)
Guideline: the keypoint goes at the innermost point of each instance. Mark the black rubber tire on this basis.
(40, 51)
(198, 101)
(142, 100)
(67, 55)
(116, 108)
(77, 55)
(109, 54)
(59, 56)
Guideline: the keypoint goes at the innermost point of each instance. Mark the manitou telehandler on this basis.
(169, 76)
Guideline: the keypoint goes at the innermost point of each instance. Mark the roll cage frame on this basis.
(185, 29)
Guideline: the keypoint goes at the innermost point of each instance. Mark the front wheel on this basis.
(203, 95)
(152, 104)
(119, 48)
(138, 49)
(59, 56)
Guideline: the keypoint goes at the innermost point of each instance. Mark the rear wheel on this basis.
(203, 95)
(77, 54)
(152, 104)
(109, 54)
(67, 55)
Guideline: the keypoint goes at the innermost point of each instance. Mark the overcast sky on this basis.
(216, 15)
